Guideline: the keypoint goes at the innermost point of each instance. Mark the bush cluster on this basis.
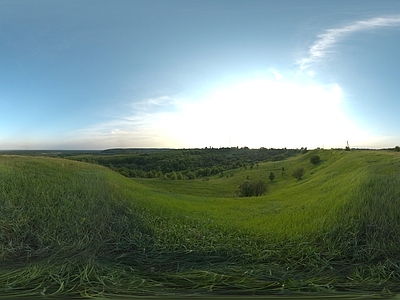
(298, 173)
(250, 189)
(315, 159)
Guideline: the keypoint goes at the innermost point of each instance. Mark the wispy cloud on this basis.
(157, 104)
(326, 41)
(133, 128)
(158, 101)
(117, 133)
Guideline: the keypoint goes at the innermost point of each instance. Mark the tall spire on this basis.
(347, 147)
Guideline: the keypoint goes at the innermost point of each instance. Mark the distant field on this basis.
(80, 229)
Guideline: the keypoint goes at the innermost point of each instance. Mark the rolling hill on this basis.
(73, 228)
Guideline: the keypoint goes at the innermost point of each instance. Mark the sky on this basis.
(92, 75)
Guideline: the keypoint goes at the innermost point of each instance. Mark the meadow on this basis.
(80, 229)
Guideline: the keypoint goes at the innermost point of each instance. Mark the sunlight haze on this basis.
(195, 74)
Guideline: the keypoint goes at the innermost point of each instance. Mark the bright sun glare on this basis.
(262, 113)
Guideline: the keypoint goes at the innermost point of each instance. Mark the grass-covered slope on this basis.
(57, 220)
(69, 227)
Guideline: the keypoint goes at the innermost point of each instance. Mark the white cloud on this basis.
(326, 41)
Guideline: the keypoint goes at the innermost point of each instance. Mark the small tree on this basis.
(124, 171)
(190, 175)
(298, 173)
(245, 189)
(249, 189)
(397, 149)
(207, 172)
(271, 176)
(259, 188)
(315, 159)
(174, 176)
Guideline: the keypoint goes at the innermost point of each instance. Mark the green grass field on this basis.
(77, 229)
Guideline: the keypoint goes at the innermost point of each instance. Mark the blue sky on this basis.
(185, 74)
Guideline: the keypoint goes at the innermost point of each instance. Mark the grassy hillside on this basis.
(82, 229)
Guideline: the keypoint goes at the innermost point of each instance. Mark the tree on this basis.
(249, 189)
(150, 174)
(132, 173)
(271, 176)
(259, 188)
(315, 159)
(191, 175)
(245, 189)
(298, 173)
(124, 171)
(397, 149)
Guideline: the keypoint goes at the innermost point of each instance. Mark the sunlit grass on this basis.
(81, 229)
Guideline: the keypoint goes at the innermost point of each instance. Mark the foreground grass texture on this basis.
(80, 229)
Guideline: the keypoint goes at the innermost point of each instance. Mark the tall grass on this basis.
(47, 208)
(79, 229)
(56, 219)
(366, 233)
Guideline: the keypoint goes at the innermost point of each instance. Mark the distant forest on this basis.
(182, 163)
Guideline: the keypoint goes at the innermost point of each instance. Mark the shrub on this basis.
(298, 173)
(260, 187)
(150, 174)
(191, 175)
(174, 176)
(245, 189)
(124, 171)
(250, 189)
(315, 159)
